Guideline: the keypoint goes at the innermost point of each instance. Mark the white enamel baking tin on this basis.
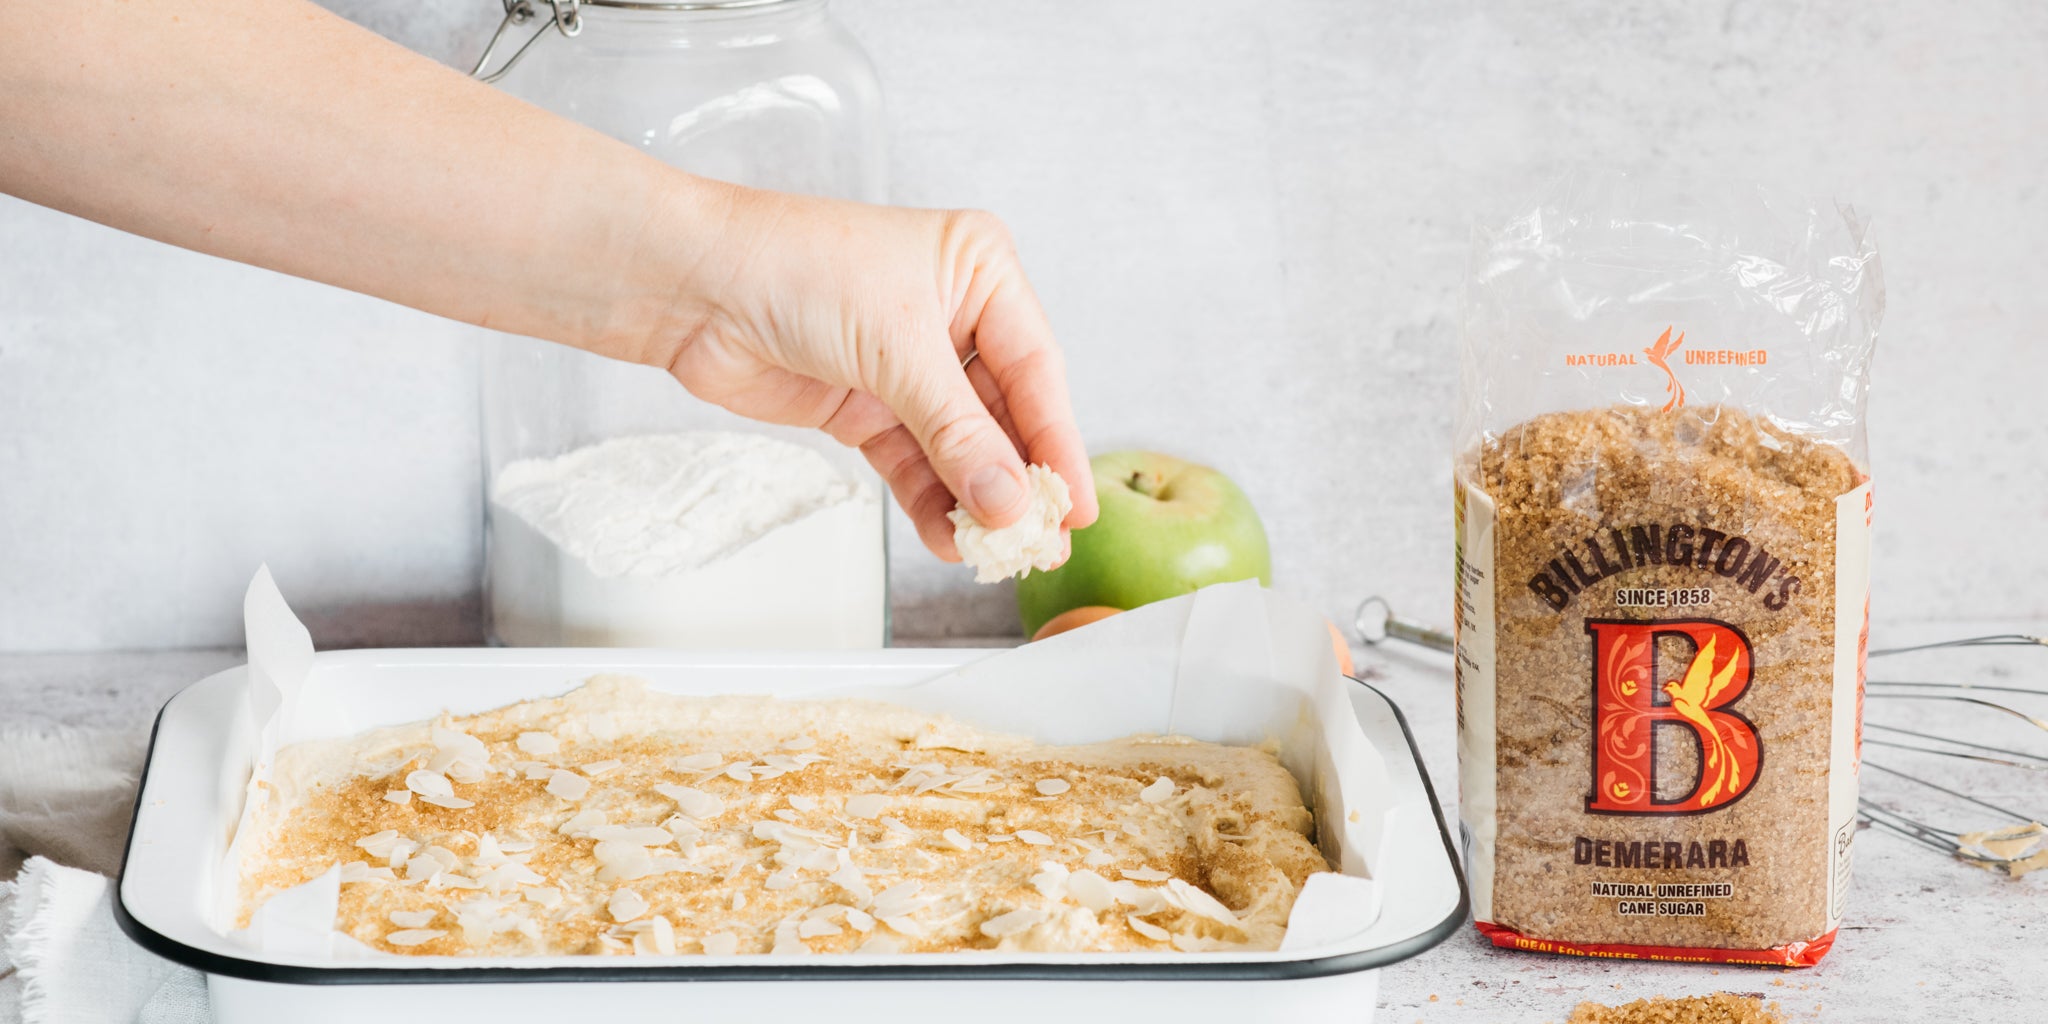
(191, 792)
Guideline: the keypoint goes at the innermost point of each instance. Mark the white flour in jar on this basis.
(704, 539)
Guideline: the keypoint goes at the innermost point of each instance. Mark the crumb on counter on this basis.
(1719, 1008)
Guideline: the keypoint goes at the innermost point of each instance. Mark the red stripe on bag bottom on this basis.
(1796, 954)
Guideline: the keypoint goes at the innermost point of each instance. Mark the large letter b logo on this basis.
(1630, 701)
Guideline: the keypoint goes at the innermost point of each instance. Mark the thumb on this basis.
(967, 448)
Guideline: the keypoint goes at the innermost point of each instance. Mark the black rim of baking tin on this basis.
(1284, 970)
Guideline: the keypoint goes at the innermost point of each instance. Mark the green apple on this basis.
(1168, 527)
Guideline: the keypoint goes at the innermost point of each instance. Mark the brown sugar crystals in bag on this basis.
(1668, 504)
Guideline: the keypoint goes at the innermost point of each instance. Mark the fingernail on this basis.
(994, 489)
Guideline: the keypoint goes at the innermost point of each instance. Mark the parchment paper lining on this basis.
(1232, 663)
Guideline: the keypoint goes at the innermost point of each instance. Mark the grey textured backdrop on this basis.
(1249, 223)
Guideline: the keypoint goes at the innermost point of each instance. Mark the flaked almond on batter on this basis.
(748, 825)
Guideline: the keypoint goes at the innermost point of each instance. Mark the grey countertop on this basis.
(1925, 937)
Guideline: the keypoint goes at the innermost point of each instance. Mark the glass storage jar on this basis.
(619, 510)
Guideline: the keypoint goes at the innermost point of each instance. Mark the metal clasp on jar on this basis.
(567, 18)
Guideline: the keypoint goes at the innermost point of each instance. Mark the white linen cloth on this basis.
(65, 795)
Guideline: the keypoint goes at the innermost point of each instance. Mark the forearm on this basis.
(274, 133)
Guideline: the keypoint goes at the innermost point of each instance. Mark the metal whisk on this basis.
(2019, 843)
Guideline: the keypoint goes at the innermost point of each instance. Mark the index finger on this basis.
(1016, 346)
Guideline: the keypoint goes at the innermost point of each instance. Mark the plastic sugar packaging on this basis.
(1662, 516)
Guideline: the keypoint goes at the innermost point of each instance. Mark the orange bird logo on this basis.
(1658, 353)
(1691, 697)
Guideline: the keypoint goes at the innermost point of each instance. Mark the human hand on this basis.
(856, 320)
(850, 318)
